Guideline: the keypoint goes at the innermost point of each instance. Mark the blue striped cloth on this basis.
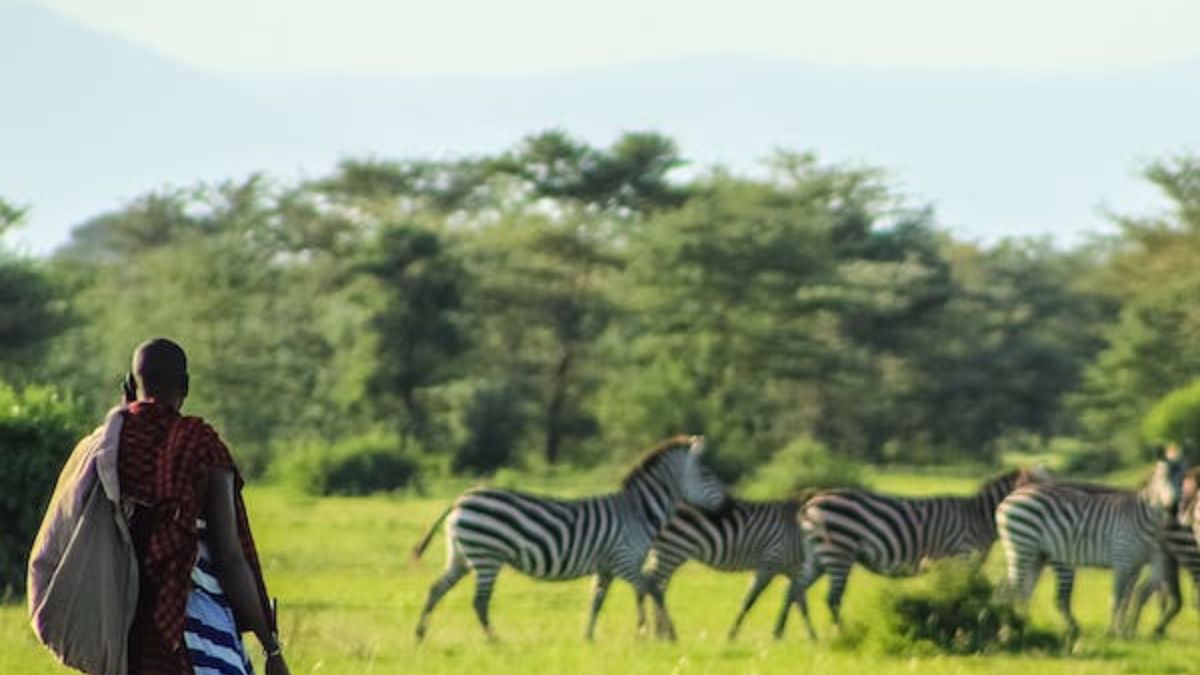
(210, 632)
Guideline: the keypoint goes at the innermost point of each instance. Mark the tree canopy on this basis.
(564, 303)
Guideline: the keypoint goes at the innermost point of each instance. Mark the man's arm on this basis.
(233, 571)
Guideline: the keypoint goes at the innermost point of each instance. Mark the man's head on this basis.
(160, 370)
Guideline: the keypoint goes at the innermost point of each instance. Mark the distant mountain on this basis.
(90, 121)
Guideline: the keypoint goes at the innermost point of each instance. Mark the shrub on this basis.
(802, 464)
(954, 610)
(1074, 457)
(1175, 417)
(38, 429)
(357, 466)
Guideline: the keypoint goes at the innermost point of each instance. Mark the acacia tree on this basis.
(31, 310)
(542, 302)
(738, 298)
(1153, 271)
(538, 226)
(417, 324)
(228, 285)
(546, 272)
(1011, 342)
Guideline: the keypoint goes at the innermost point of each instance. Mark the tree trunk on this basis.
(554, 409)
(413, 424)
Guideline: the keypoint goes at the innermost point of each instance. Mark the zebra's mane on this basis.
(1013, 475)
(651, 456)
(799, 497)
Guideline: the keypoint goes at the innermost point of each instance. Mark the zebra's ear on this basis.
(697, 446)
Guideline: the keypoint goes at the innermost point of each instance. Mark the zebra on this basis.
(1183, 552)
(1070, 525)
(607, 536)
(745, 535)
(1179, 543)
(897, 536)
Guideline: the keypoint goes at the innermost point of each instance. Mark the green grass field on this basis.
(349, 597)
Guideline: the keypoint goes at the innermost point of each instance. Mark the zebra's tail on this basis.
(424, 543)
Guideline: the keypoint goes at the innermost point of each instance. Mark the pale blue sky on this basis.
(1061, 103)
(487, 37)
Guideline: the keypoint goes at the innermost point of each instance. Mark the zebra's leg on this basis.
(795, 594)
(788, 598)
(640, 600)
(654, 585)
(485, 579)
(1195, 589)
(810, 571)
(664, 563)
(1165, 580)
(760, 581)
(1023, 573)
(455, 570)
(838, 571)
(664, 627)
(1172, 595)
(1066, 584)
(1124, 577)
(599, 592)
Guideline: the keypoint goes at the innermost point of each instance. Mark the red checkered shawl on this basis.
(163, 463)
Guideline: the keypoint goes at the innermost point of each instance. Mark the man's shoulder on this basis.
(197, 429)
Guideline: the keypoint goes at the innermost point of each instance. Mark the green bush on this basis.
(1075, 457)
(38, 429)
(1175, 417)
(954, 610)
(357, 466)
(802, 464)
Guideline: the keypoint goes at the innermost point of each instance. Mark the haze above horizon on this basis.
(1013, 119)
(524, 37)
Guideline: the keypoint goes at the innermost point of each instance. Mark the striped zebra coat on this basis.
(1070, 526)
(1179, 544)
(607, 536)
(1180, 541)
(746, 535)
(897, 536)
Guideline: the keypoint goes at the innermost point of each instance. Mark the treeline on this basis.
(562, 303)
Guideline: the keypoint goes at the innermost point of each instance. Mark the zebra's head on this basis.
(698, 485)
(1165, 487)
(673, 472)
